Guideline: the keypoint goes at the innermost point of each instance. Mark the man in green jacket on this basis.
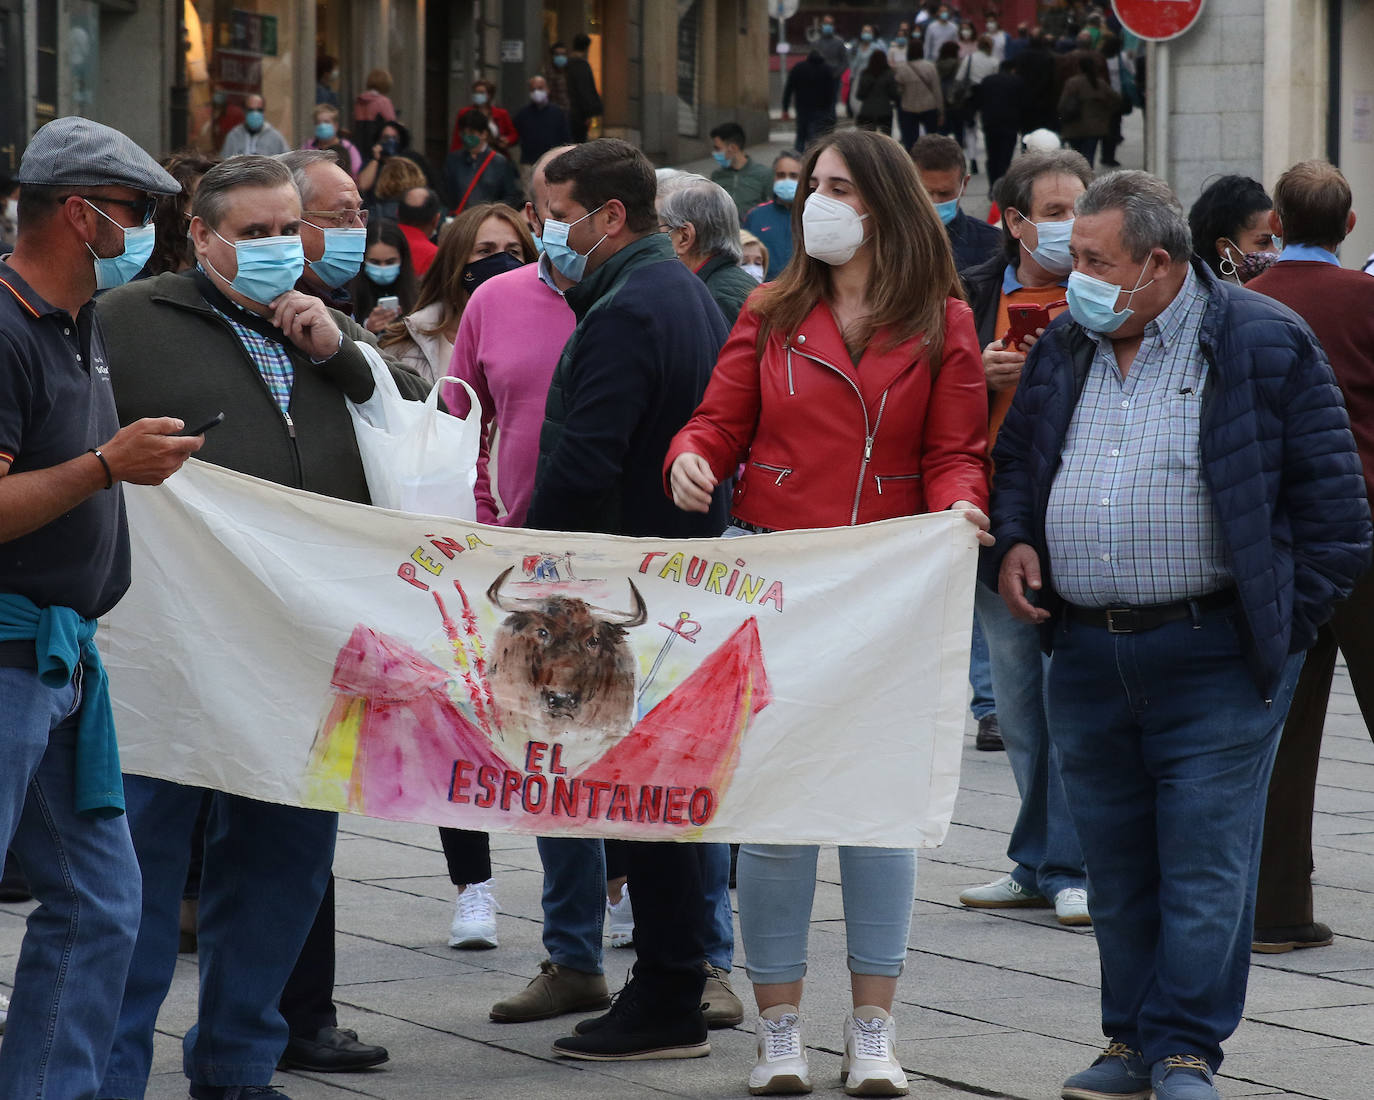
(702, 224)
(747, 182)
(233, 336)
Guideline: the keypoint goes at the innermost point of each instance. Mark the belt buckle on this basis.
(1126, 624)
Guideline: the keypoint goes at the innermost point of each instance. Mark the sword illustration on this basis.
(677, 630)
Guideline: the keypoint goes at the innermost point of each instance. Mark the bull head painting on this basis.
(562, 672)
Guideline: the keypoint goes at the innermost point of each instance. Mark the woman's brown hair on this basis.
(443, 282)
(398, 175)
(913, 269)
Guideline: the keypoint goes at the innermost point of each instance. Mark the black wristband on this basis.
(109, 474)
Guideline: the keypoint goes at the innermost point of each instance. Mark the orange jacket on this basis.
(816, 452)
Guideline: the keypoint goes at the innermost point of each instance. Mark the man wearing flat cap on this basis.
(86, 204)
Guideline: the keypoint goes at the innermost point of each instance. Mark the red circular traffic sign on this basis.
(1157, 20)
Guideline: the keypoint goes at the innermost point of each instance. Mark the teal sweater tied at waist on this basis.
(62, 638)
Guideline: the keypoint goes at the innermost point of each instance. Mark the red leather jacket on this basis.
(826, 444)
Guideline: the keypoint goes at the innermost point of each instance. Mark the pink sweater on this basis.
(509, 340)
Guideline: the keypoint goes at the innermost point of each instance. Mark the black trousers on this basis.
(1001, 145)
(1285, 879)
(468, 855)
(307, 1002)
(668, 882)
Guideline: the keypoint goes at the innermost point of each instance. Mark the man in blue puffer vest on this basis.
(1178, 502)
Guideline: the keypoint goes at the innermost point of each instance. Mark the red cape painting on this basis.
(396, 744)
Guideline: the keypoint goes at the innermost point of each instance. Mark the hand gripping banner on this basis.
(800, 687)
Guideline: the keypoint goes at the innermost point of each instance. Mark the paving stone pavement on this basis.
(993, 1004)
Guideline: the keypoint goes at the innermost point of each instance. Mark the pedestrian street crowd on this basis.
(1150, 418)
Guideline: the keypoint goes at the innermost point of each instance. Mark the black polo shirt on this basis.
(55, 404)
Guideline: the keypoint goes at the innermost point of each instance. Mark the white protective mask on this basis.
(832, 230)
(756, 270)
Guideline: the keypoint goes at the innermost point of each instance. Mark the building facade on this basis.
(174, 74)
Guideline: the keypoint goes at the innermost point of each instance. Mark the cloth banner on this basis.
(799, 687)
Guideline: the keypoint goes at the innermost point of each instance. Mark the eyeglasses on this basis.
(335, 219)
(143, 208)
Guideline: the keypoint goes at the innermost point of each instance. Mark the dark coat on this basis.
(629, 378)
(729, 285)
(983, 287)
(812, 85)
(1086, 109)
(171, 354)
(499, 182)
(1277, 455)
(878, 96)
(1001, 99)
(973, 241)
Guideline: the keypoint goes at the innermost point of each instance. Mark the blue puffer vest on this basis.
(1277, 455)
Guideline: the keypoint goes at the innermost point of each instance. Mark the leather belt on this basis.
(18, 654)
(1135, 620)
(754, 527)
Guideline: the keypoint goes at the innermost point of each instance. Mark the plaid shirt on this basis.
(271, 360)
(1130, 520)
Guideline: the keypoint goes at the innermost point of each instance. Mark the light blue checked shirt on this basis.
(271, 360)
(1130, 520)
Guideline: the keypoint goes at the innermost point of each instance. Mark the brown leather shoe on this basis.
(554, 991)
(1277, 941)
(719, 1003)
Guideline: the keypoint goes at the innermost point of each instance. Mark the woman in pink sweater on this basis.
(509, 340)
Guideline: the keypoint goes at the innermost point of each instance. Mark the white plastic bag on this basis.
(419, 458)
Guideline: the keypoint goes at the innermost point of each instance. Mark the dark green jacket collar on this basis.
(650, 249)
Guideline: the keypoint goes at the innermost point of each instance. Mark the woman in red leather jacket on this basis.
(852, 390)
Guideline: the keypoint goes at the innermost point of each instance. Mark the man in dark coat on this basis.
(1179, 502)
(813, 86)
(702, 224)
(584, 101)
(630, 376)
(1001, 98)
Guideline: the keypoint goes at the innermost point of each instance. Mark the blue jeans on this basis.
(1167, 747)
(980, 674)
(82, 871)
(1044, 845)
(266, 868)
(574, 902)
(777, 884)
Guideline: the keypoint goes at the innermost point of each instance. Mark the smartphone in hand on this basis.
(214, 422)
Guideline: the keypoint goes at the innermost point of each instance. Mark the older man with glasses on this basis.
(333, 226)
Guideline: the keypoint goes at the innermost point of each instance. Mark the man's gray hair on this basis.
(709, 208)
(1151, 216)
(299, 161)
(786, 154)
(229, 175)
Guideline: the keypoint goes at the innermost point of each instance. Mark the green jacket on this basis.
(729, 285)
(172, 354)
(748, 186)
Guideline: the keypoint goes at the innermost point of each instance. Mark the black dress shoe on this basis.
(1277, 940)
(333, 1050)
(989, 737)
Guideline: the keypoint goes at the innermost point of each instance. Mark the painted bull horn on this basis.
(638, 617)
(509, 603)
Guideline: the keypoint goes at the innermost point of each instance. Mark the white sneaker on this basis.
(869, 1067)
(474, 918)
(4, 1012)
(781, 1069)
(1071, 906)
(620, 919)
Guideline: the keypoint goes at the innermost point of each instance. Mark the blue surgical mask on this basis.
(560, 61)
(538, 243)
(479, 98)
(324, 131)
(382, 274)
(867, 36)
(899, 42)
(268, 266)
(253, 120)
(944, 17)
(948, 211)
(561, 254)
(785, 190)
(720, 158)
(1052, 248)
(343, 255)
(1278, 243)
(113, 271)
(1092, 302)
(826, 28)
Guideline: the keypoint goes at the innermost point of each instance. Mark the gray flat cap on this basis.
(76, 152)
